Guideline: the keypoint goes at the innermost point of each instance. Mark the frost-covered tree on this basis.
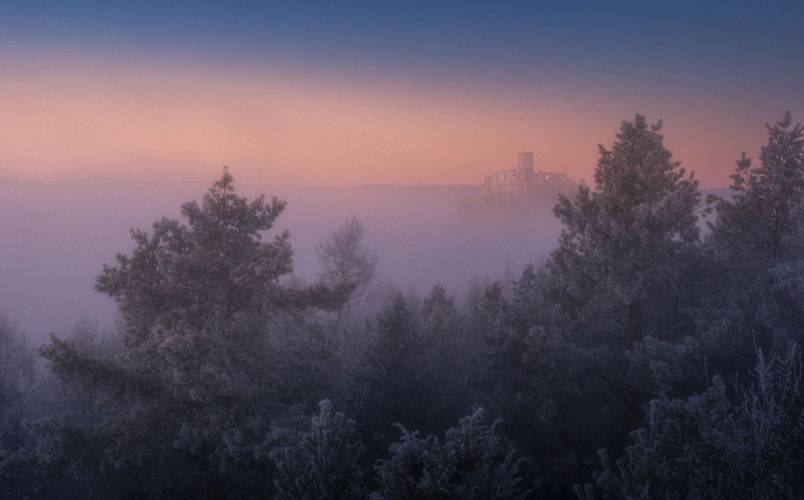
(713, 445)
(391, 383)
(552, 393)
(618, 279)
(624, 244)
(448, 353)
(214, 349)
(782, 308)
(622, 270)
(473, 462)
(411, 370)
(754, 244)
(325, 463)
(762, 220)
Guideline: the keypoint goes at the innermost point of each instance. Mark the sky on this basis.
(379, 92)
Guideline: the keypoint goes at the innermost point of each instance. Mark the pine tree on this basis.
(325, 463)
(215, 349)
(763, 217)
(743, 443)
(616, 282)
(624, 243)
(754, 246)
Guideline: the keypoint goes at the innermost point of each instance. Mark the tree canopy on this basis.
(205, 368)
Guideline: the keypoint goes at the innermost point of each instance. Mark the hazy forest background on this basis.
(641, 342)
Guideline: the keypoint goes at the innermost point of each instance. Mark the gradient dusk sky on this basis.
(347, 93)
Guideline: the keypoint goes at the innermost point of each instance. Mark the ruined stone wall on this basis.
(522, 186)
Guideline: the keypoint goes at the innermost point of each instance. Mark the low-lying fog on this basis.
(57, 235)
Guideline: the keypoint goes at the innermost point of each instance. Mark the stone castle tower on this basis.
(524, 166)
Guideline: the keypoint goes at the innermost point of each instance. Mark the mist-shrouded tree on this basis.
(391, 382)
(410, 371)
(488, 309)
(348, 263)
(618, 279)
(440, 314)
(207, 362)
(763, 217)
(88, 337)
(449, 352)
(17, 377)
(17, 383)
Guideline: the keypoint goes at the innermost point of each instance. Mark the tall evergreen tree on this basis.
(617, 281)
(391, 383)
(207, 364)
(625, 243)
(740, 443)
(763, 217)
(755, 249)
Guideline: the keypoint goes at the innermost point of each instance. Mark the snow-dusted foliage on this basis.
(324, 464)
(763, 217)
(212, 356)
(669, 354)
(754, 250)
(407, 370)
(715, 446)
(472, 463)
(624, 245)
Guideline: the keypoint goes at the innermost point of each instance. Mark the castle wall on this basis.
(524, 186)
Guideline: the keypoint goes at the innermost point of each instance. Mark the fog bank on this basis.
(58, 235)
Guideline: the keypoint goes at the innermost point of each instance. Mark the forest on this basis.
(654, 354)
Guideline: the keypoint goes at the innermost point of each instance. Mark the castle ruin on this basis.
(522, 187)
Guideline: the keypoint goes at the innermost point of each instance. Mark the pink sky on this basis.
(81, 117)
